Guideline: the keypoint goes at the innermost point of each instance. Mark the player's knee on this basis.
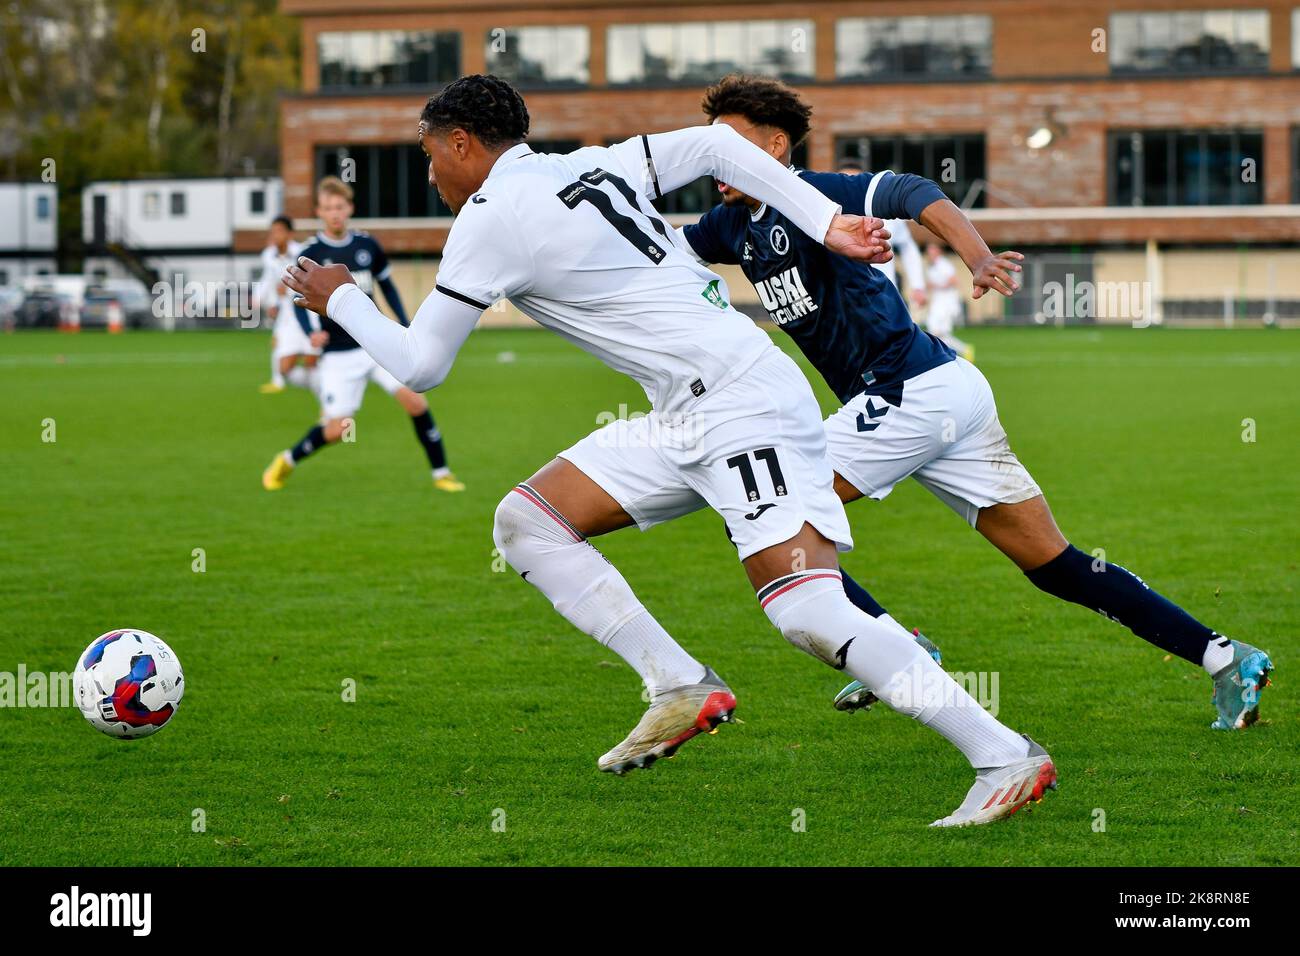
(509, 526)
(818, 622)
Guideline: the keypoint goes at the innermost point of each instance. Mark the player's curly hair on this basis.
(486, 106)
(761, 100)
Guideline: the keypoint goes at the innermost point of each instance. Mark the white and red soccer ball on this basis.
(128, 683)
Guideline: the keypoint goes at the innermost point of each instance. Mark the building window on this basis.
(257, 201)
(1295, 164)
(1186, 167)
(701, 53)
(378, 59)
(178, 204)
(42, 207)
(391, 180)
(955, 163)
(883, 48)
(539, 56)
(151, 205)
(1191, 41)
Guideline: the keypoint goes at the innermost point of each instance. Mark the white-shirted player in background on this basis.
(906, 251)
(945, 301)
(293, 358)
(574, 243)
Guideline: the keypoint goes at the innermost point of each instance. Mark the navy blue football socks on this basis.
(1122, 596)
(430, 439)
(859, 596)
(311, 442)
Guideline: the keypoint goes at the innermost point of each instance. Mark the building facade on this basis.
(165, 227)
(1123, 127)
(29, 237)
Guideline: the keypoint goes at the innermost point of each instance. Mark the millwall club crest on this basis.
(780, 241)
(363, 258)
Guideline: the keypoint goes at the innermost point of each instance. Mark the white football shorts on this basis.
(754, 451)
(944, 432)
(290, 339)
(344, 376)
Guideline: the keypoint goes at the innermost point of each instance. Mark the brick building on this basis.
(1141, 133)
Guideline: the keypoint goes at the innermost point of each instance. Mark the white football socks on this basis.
(554, 557)
(302, 377)
(813, 613)
(1218, 654)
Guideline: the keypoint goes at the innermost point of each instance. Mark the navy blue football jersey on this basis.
(845, 316)
(365, 259)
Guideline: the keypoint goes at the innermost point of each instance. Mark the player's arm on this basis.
(418, 356)
(908, 196)
(705, 239)
(384, 278)
(268, 286)
(909, 258)
(308, 321)
(671, 160)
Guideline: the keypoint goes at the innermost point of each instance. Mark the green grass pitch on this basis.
(477, 705)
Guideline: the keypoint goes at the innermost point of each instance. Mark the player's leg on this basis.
(1026, 532)
(811, 611)
(297, 358)
(542, 528)
(788, 526)
(873, 442)
(426, 430)
(343, 378)
(983, 481)
(276, 384)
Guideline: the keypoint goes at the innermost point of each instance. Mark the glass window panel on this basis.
(851, 48)
(1252, 40)
(1123, 40)
(658, 54)
(1249, 146)
(1158, 172)
(572, 55)
(1189, 166)
(730, 53)
(1223, 169)
(623, 57)
(979, 44)
(331, 52)
(693, 60)
(390, 64)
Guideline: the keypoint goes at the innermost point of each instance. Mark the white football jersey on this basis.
(573, 241)
(273, 265)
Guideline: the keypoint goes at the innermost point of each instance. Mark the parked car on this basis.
(11, 302)
(127, 294)
(44, 309)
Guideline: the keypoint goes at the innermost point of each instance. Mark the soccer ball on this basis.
(128, 684)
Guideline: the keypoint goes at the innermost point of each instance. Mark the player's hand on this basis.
(997, 273)
(315, 283)
(319, 339)
(864, 238)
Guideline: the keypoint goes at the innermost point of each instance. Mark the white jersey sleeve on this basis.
(269, 283)
(907, 252)
(668, 161)
(419, 356)
(486, 258)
